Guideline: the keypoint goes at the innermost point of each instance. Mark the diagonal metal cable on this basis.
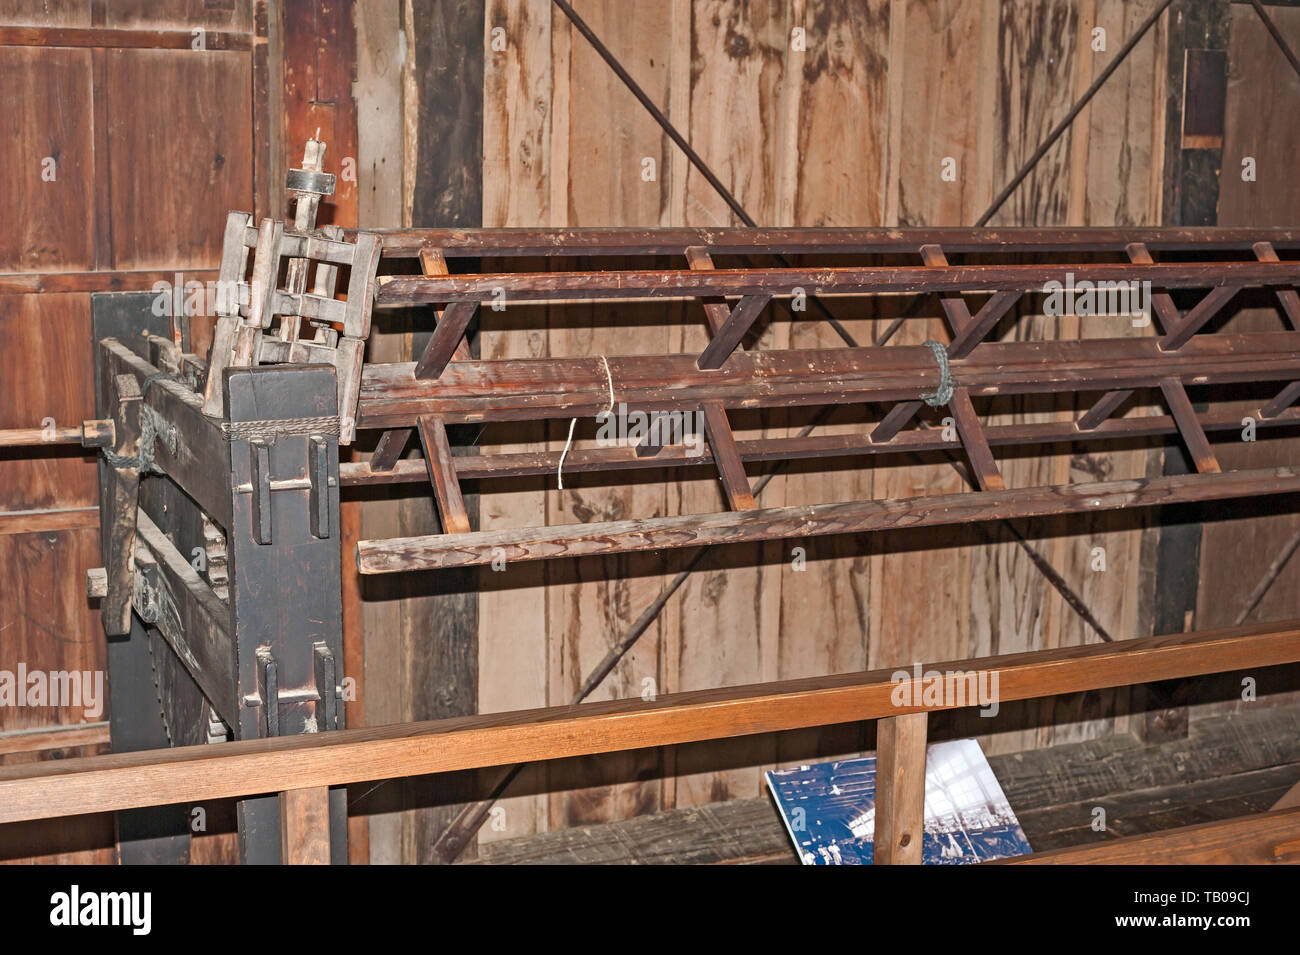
(453, 839)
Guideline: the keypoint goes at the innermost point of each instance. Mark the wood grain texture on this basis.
(600, 142)
(1266, 838)
(900, 789)
(149, 184)
(305, 826)
(1236, 553)
(48, 371)
(779, 523)
(130, 780)
(52, 219)
(517, 179)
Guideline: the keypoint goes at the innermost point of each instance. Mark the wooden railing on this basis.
(306, 765)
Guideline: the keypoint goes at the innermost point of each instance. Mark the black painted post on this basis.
(285, 572)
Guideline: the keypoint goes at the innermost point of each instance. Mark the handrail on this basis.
(194, 773)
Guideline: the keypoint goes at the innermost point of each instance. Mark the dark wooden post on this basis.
(285, 568)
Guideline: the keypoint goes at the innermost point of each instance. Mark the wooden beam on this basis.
(731, 469)
(197, 773)
(779, 523)
(900, 790)
(728, 337)
(42, 738)
(447, 338)
(983, 466)
(715, 308)
(53, 519)
(1198, 446)
(954, 306)
(1103, 409)
(978, 327)
(1162, 302)
(513, 243)
(843, 280)
(442, 474)
(1284, 400)
(123, 39)
(963, 344)
(1204, 310)
(305, 826)
(389, 448)
(1264, 838)
(541, 463)
(1288, 297)
(531, 389)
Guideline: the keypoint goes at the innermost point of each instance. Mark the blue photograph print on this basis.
(829, 809)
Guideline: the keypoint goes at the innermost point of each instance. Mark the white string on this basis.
(573, 423)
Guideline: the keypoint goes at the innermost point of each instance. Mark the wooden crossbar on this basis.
(197, 773)
(396, 555)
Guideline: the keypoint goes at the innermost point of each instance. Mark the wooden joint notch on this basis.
(726, 455)
(972, 333)
(1288, 297)
(1189, 426)
(954, 306)
(715, 307)
(728, 337)
(442, 474)
(1199, 315)
(1162, 302)
(448, 341)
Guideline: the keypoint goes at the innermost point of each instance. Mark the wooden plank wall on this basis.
(140, 189)
(1235, 554)
(121, 169)
(850, 131)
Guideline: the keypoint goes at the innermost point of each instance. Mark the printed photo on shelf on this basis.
(829, 809)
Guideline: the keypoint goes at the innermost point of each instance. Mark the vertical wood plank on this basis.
(900, 789)
(305, 826)
(516, 190)
(615, 163)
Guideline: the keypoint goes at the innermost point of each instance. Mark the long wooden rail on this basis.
(439, 551)
(195, 773)
(503, 390)
(656, 283)
(518, 243)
